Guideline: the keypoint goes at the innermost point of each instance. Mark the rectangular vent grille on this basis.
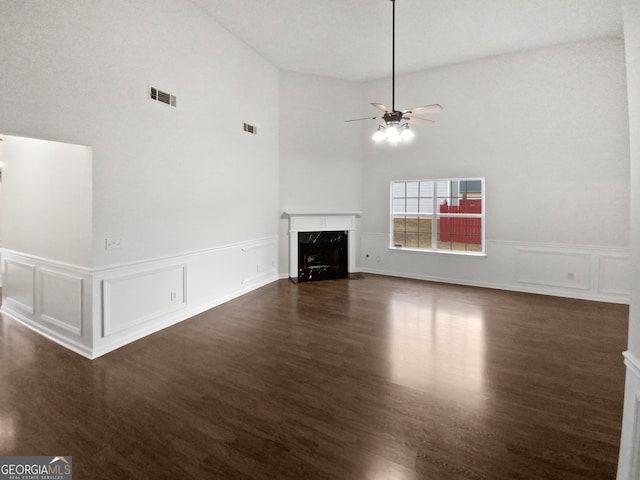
(160, 96)
(250, 129)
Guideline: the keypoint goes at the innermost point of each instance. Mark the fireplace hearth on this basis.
(322, 255)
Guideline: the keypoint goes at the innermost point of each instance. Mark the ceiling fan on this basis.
(396, 122)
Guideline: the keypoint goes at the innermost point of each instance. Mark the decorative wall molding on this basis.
(19, 285)
(635, 444)
(614, 274)
(60, 299)
(94, 311)
(49, 298)
(66, 341)
(629, 461)
(553, 268)
(632, 362)
(248, 245)
(256, 255)
(133, 299)
(599, 273)
(53, 263)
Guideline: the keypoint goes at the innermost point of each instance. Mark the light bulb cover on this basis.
(393, 135)
(407, 134)
(379, 134)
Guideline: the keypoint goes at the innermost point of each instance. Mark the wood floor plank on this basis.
(372, 378)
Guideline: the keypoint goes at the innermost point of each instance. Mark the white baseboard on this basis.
(173, 319)
(108, 307)
(499, 286)
(52, 335)
(629, 461)
(573, 271)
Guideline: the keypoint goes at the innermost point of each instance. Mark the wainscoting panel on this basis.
(629, 461)
(131, 300)
(20, 290)
(553, 269)
(60, 299)
(136, 300)
(614, 275)
(576, 271)
(52, 298)
(95, 311)
(258, 260)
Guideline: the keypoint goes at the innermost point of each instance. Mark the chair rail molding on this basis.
(95, 311)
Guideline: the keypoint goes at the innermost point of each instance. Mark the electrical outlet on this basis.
(571, 276)
(173, 296)
(113, 243)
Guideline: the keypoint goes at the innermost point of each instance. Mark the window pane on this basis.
(413, 214)
(426, 205)
(426, 189)
(412, 189)
(412, 231)
(460, 196)
(411, 205)
(463, 234)
(398, 189)
(471, 193)
(443, 189)
(398, 205)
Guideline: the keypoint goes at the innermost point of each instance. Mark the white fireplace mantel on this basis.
(321, 222)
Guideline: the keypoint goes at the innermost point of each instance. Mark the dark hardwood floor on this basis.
(374, 378)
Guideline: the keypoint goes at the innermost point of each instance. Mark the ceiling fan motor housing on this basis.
(392, 117)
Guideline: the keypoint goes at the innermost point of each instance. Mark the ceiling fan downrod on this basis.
(393, 57)
(396, 123)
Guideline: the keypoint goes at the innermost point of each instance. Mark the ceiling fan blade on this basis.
(381, 107)
(425, 109)
(420, 121)
(358, 119)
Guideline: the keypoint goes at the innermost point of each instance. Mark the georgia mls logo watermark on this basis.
(36, 468)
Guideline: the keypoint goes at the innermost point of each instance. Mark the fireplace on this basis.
(328, 239)
(322, 256)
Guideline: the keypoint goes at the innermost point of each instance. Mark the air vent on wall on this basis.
(160, 96)
(250, 129)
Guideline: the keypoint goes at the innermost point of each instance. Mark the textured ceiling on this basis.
(351, 39)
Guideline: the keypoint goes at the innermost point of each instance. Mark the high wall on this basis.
(629, 464)
(185, 189)
(547, 129)
(194, 200)
(47, 199)
(320, 154)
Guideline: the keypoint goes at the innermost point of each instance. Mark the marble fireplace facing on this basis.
(321, 245)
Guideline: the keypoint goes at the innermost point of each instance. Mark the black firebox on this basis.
(322, 256)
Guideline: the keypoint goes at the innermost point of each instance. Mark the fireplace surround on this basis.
(320, 234)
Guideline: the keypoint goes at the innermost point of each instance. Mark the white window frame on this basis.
(435, 215)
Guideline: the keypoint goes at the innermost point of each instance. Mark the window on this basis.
(438, 215)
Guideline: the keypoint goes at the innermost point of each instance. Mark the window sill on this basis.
(440, 252)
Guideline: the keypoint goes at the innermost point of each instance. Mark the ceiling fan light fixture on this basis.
(406, 133)
(379, 134)
(395, 129)
(393, 135)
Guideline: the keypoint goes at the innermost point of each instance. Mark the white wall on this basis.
(1, 148)
(632, 44)
(47, 199)
(320, 154)
(548, 130)
(629, 464)
(186, 189)
(164, 178)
